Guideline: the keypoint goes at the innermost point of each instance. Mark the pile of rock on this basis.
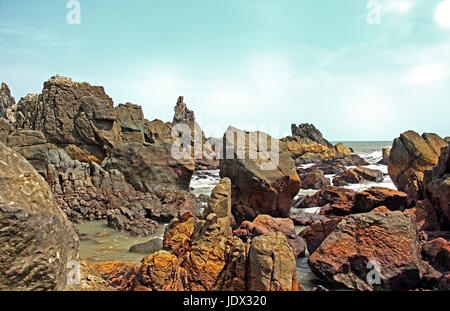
(201, 254)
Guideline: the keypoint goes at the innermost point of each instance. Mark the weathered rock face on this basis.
(437, 253)
(68, 112)
(374, 197)
(410, 157)
(5, 128)
(157, 131)
(131, 120)
(271, 264)
(314, 180)
(32, 146)
(426, 216)
(264, 224)
(309, 131)
(150, 167)
(388, 238)
(437, 187)
(88, 192)
(315, 234)
(6, 100)
(37, 239)
(266, 185)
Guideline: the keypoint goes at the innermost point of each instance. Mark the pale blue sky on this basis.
(247, 63)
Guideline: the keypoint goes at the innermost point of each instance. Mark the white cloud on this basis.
(442, 14)
(399, 6)
(428, 73)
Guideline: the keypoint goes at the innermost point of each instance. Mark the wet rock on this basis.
(388, 238)
(263, 186)
(314, 180)
(333, 200)
(132, 221)
(305, 219)
(410, 157)
(37, 239)
(357, 175)
(147, 248)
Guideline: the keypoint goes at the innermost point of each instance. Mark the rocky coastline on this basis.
(69, 156)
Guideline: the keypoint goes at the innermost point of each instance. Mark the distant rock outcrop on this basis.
(309, 131)
(72, 113)
(410, 157)
(38, 241)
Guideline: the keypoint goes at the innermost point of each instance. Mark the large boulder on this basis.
(437, 186)
(349, 256)
(68, 112)
(150, 167)
(357, 175)
(263, 182)
(271, 264)
(333, 200)
(314, 180)
(157, 131)
(309, 131)
(410, 157)
(38, 241)
(374, 197)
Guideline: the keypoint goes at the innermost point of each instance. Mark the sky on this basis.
(357, 69)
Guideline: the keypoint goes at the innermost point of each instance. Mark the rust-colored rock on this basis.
(387, 239)
(376, 196)
(333, 200)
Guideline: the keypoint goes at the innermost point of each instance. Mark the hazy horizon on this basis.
(249, 64)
